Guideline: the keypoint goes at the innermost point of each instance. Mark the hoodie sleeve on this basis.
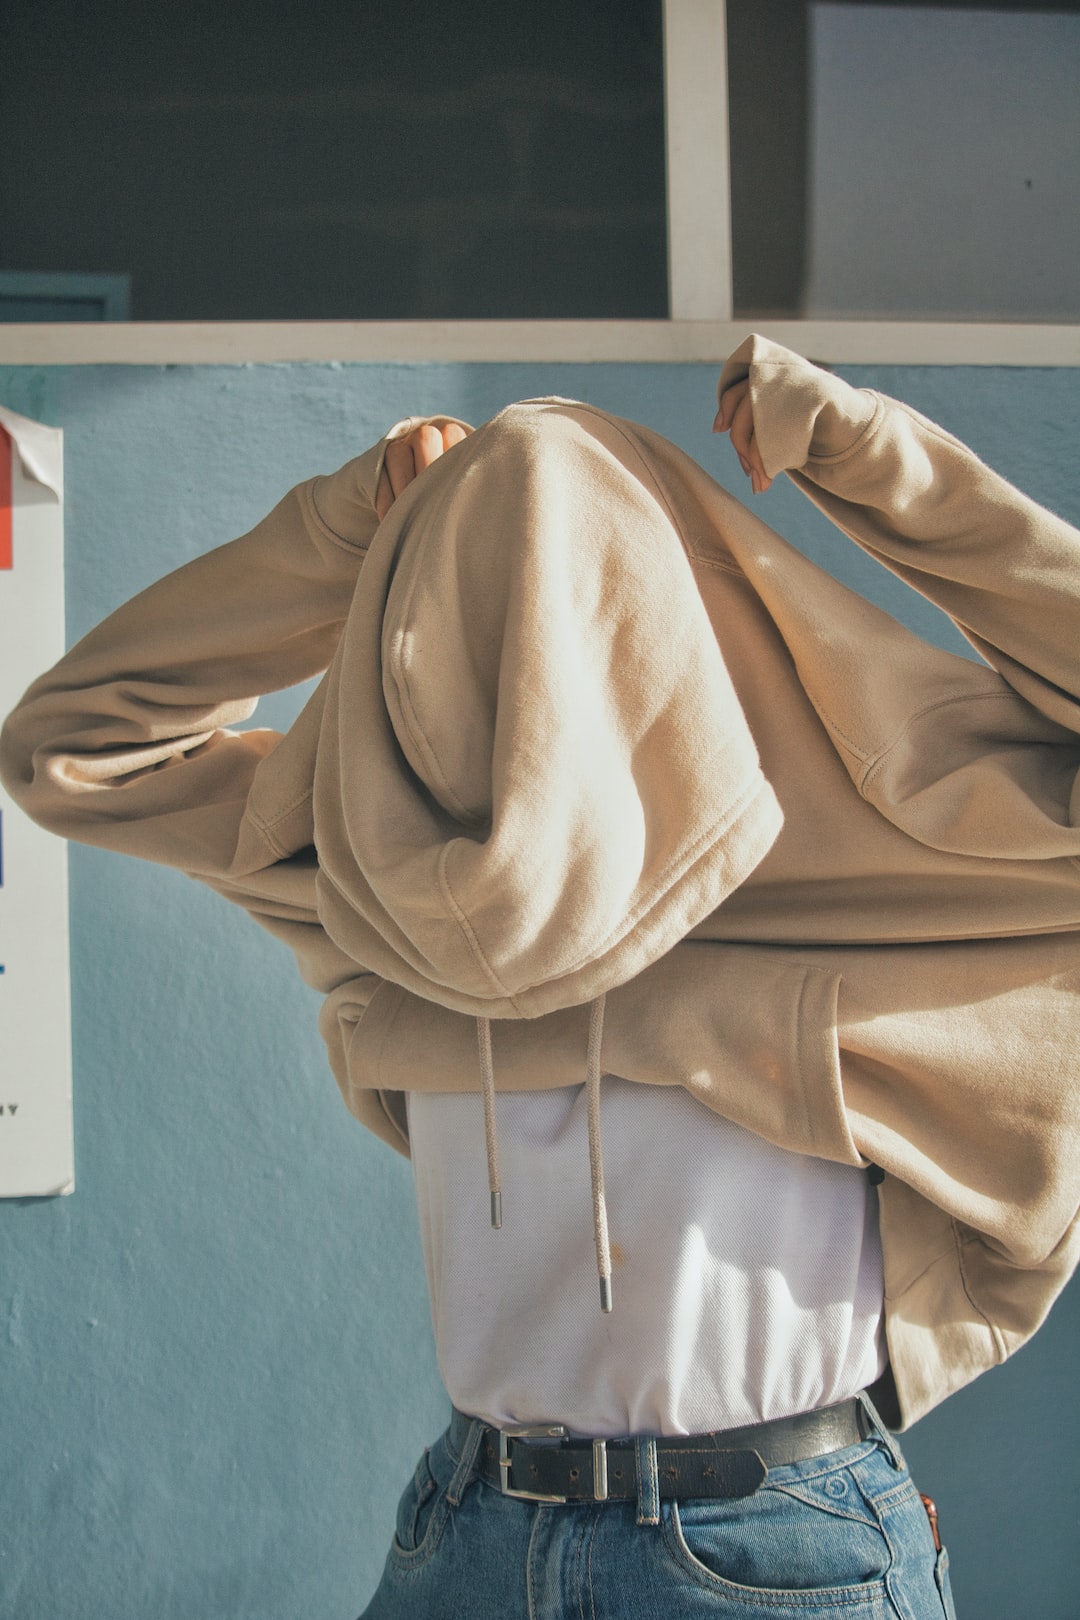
(126, 742)
(1006, 570)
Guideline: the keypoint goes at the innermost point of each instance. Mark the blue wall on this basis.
(216, 1355)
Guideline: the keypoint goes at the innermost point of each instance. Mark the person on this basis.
(690, 922)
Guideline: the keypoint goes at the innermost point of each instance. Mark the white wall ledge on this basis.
(926, 343)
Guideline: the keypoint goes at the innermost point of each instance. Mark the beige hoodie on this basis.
(589, 728)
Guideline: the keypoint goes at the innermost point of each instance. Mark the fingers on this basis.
(730, 398)
(426, 446)
(736, 416)
(745, 445)
(407, 457)
(453, 433)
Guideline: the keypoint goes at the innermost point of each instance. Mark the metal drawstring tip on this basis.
(605, 1294)
(496, 1210)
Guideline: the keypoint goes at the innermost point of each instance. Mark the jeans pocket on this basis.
(414, 1509)
(941, 1577)
(423, 1508)
(785, 1546)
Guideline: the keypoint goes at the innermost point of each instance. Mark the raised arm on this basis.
(1006, 570)
(126, 742)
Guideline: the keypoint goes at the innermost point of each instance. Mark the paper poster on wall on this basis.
(36, 1139)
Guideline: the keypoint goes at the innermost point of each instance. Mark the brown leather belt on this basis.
(541, 1463)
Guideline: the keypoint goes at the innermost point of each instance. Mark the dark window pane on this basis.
(340, 161)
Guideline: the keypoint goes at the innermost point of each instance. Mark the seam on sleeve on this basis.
(860, 442)
(992, 1328)
(874, 763)
(874, 757)
(719, 565)
(265, 826)
(307, 492)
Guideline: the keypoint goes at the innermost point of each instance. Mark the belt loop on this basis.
(874, 1419)
(466, 1468)
(648, 1480)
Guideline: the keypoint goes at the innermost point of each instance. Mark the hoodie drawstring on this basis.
(596, 1157)
(491, 1140)
(593, 1075)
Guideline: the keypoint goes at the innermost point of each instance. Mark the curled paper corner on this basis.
(40, 450)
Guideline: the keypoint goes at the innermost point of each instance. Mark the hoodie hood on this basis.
(534, 774)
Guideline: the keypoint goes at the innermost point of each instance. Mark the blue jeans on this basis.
(837, 1537)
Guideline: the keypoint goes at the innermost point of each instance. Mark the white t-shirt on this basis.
(747, 1280)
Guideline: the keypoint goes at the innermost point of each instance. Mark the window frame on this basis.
(700, 327)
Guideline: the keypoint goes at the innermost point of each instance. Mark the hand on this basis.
(410, 455)
(736, 416)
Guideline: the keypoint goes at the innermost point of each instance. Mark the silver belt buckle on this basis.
(526, 1431)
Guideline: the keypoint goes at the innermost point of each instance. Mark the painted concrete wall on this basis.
(216, 1355)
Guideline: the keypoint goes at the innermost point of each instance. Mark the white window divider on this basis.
(931, 343)
(700, 281)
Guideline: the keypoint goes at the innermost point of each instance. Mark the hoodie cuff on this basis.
(801, 413)
(345, 501)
